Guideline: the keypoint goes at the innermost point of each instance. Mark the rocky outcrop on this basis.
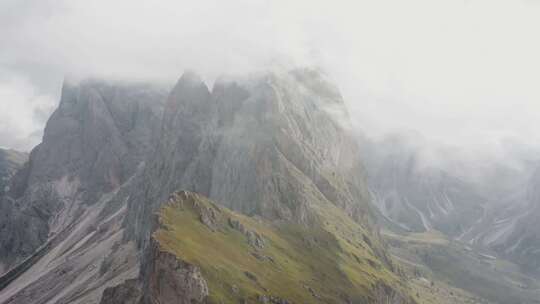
(385, 294)
(165, 278)
(171, 280)
(129, 292)
(253, 238)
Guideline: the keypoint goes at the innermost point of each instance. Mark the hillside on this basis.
(242, 258)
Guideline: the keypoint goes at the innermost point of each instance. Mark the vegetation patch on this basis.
(246, 259)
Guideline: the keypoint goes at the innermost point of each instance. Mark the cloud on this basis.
(460, 72)
(23, 113)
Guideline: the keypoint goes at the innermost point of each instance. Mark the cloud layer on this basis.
(462, 72)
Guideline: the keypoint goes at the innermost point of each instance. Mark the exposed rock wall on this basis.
(164, 278)
(255, 146)
(92, 144)
(65, 207)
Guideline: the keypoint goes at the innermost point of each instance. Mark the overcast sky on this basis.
(463, 72)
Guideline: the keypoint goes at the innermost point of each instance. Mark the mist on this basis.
(460, 73)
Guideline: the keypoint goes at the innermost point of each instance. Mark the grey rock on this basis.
(92, 144)
(64, 210)
(522, 243)
(164, 279)
(271, 146)
(129, 292)
(253, 238)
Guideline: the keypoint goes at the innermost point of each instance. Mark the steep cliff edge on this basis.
(522, 242)
(416, 196)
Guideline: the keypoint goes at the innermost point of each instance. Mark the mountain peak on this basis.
(190, 79)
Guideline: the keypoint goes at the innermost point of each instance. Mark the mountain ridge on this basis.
(269, 147)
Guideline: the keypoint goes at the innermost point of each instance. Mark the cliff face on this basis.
(59, 218)
(165, 278)
(256, 146)
(522, 241)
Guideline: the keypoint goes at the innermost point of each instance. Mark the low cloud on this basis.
(459, 72)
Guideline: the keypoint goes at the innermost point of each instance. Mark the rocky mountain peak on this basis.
(92, 143)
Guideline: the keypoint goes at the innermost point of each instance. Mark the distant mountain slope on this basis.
(255, 145)
(234, 258)
(10, 162)
(418, 197)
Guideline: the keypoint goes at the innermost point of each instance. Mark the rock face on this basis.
(255, 146)
(92, 144)
(171, 280)
(62, 215)
(129, 292)
(165, 279)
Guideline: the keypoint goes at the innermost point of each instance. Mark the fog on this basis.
(462, 74)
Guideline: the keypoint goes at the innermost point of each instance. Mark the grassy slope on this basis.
(326, 263)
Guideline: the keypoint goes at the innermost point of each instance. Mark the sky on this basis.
(460, 72)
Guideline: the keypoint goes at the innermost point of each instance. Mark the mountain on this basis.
(521, 239)
(10, 162)
(256, 147)
(251, 191)
(417, 197)
(56, 225)
(470, 224)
